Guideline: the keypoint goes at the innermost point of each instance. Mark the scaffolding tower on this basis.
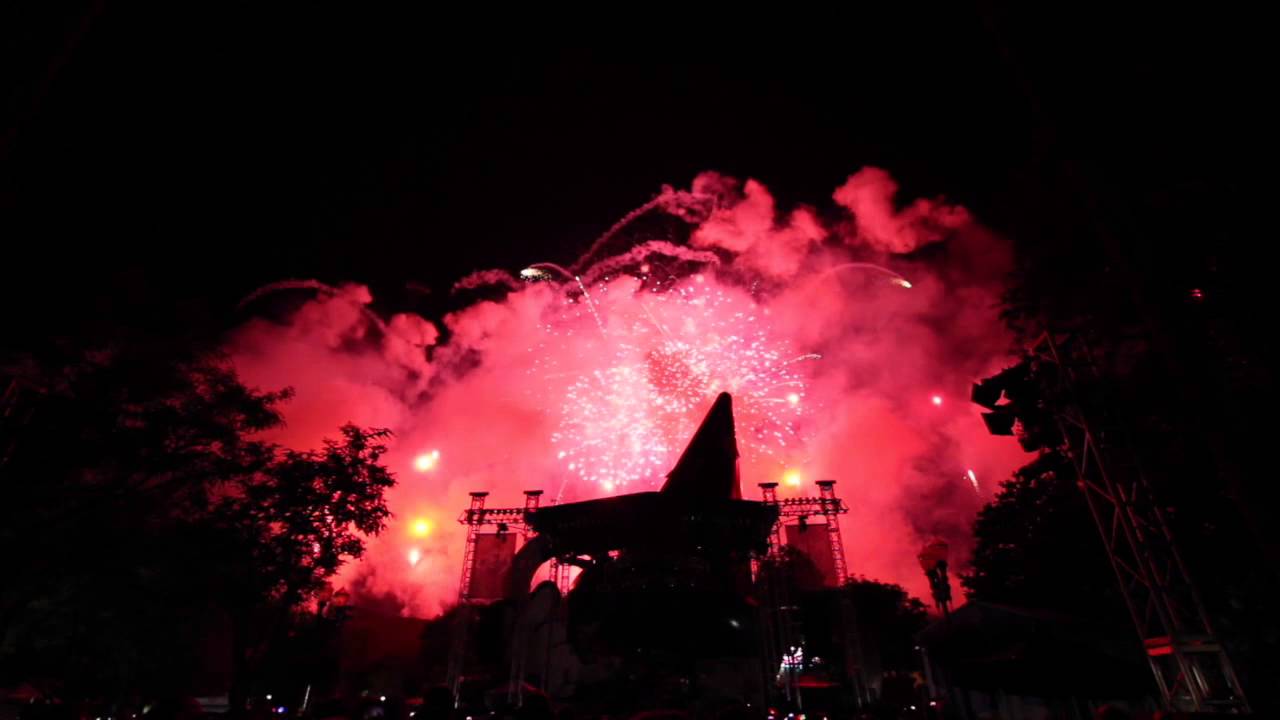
(477, 517)
(1191, 667)
(783, 623)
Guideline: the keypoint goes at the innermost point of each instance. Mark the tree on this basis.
(888, 621)
(296, 523)
(1144, 253)
(140, 504)
(1035, 546)
(112, 455)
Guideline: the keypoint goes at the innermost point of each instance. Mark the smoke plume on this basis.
(849, 349)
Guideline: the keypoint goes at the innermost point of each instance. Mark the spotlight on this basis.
(986, 393)
(999, 421)
(1008, 382)
(1022, 413)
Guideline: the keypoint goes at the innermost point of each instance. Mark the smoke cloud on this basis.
(849, 353)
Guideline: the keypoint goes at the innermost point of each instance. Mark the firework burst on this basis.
(647, 359)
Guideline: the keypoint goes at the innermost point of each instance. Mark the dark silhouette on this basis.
(155, 522)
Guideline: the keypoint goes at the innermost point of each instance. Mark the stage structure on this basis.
(668, 580)
(491, 537)
(823, 545)
(1055, 400)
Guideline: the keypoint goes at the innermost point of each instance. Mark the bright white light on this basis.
(382, 698)
(414, 556)
(973, 479)
(792, 478)
(426, 461)
(937, 400)
(793, 398)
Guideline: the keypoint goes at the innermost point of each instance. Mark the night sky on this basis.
(157, 165)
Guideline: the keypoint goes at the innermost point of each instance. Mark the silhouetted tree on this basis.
(139, 504)
(1035, 546)
(888, 619)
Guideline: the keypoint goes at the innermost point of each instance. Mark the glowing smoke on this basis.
(591, 388)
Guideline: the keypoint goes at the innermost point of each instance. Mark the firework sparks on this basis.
(660, 356)
(588, 379)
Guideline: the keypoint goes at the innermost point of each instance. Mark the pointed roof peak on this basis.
(708, 468)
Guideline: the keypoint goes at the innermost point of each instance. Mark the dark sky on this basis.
(157, 165)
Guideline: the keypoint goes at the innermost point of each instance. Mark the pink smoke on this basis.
(868, 194)
(493, 398)
(750, 229)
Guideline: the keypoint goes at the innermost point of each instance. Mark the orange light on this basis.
(792, 478)
(421, 527)
(426, 461)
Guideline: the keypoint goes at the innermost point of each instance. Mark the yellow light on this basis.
(793, 398)
(792, 478)
(421, 527)
(426, 461)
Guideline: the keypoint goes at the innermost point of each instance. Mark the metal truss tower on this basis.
(476, 517)
(1192, 669)
(783, 623)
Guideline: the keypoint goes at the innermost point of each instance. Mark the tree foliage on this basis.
(1036, 547)
(888, 620)
(142, 510)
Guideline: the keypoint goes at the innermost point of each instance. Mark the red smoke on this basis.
(497, 400)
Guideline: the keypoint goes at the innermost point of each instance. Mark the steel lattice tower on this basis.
(831, 509)
(1191, 667)
(462, 623)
